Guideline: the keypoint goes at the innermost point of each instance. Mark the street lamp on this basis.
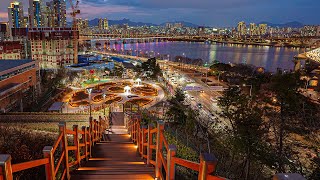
(89, 90)
(104, 101)
(250, 93)
(138, 81)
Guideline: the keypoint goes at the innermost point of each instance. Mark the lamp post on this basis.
(89, 90)
(104, 101)
(250, 93)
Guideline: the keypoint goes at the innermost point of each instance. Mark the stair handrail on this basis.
(83, 141)
(166, 159)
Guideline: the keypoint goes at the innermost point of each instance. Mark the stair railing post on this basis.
(47, 153)
(5, 167)
(62, 129)
(172, 149)
(149, 143)
(208, 163)
(94, 131)
(89, 141)
(85, 140)
(160, 128)
(143, 141)
(76, 143)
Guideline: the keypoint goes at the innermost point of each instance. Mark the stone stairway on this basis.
(115, 158)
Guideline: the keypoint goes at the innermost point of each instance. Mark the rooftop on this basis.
(8, 64)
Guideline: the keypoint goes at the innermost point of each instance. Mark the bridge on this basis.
(313, 56)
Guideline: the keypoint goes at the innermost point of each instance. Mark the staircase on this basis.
(115, 158)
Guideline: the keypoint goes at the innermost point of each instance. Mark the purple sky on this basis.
(201, 12)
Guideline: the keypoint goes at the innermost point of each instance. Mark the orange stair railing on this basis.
(83, 140)
(166, 159)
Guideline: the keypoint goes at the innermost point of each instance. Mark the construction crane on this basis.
(75, 11)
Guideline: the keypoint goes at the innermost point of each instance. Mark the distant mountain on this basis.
(95, 22)
(293, 24)
(187, 24)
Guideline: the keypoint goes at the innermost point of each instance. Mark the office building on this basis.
(103, 24)
(15, 15)
(18, 84)
(35, 16)
(52, 47)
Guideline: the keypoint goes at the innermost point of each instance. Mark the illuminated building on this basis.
(52, 47)
(35, 11)
(15, 15)
(242, 30)
(263, 29)
(11, 50)
(4, 31)
(103, 24)
(253, 29)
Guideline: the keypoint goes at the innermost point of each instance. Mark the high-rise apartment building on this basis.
(253, 29)
(60, 11)
(52, 47)
(242, 29)
(15, 15)
(263, 29)
(54, 14)
(103, 23)
(35, 13)
(318, 31)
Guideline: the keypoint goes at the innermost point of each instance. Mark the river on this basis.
(267, 57)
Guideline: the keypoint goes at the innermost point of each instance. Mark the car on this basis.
(202, 91)
(131, 96)
(199, 105)
(192, 98)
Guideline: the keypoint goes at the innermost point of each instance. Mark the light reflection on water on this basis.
(270, 58)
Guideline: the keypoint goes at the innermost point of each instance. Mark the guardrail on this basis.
(148, 139)
(82, 142)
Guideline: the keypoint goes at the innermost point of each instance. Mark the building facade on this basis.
(241, 28)
(11, 50)
(18, 82)
(103, 24)
(15, 15)
(52, 47)
(35, 16)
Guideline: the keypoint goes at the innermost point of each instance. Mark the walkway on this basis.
(115, 158)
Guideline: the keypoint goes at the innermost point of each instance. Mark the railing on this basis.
(82, 141)
(149, 139)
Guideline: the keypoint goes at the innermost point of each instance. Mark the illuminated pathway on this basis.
(115, 158)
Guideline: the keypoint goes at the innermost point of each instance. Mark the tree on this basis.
(176, 111)
(247, 130)
(285, 87)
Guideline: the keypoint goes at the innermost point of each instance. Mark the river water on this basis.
(270, 58)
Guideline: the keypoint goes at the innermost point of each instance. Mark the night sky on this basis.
(202, 12)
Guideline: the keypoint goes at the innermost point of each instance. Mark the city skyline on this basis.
(222, 13)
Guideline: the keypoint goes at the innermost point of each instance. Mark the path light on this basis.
(104, 101)
(127, 89)
(89, 90)
(138, 81)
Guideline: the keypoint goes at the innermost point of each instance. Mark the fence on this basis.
(56, 158)
(151, 140)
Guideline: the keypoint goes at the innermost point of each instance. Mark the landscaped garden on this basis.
(145, 91)
(140, 101)
(80, 95)
(116, 89)
(99, 97)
